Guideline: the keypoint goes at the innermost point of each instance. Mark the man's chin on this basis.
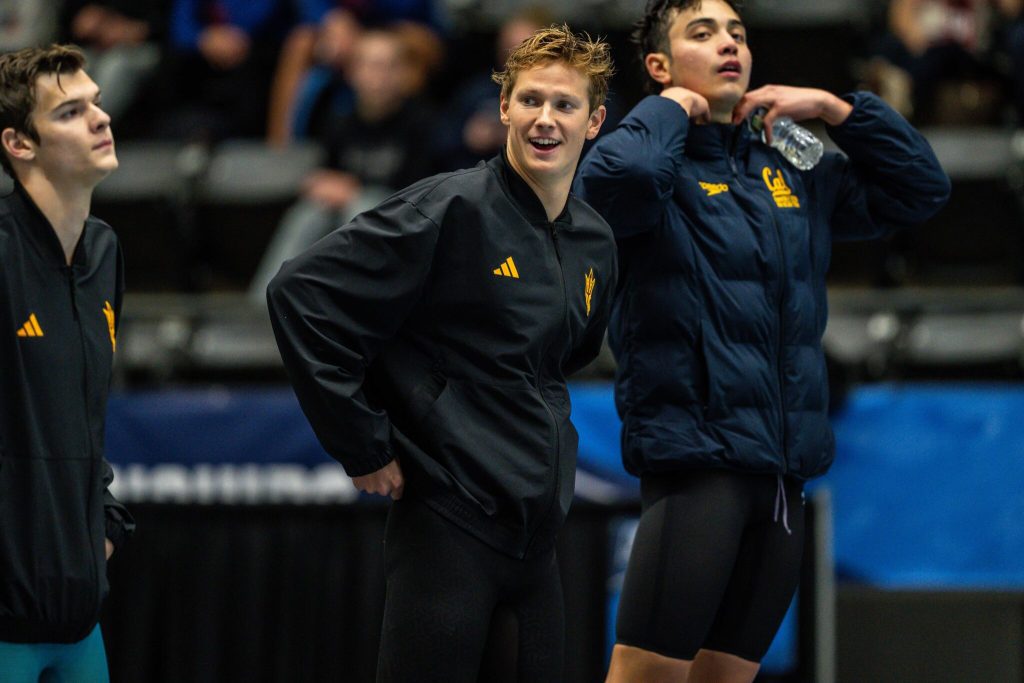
(106, 168)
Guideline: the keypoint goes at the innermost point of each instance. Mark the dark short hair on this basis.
(559, 44)
(650, 32)
(18, 74)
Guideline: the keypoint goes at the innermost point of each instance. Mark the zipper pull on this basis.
(554, 239)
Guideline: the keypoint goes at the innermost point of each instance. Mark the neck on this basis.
(65, 206)
(553, 198)
(552, 193)
(722, 108)
(372, 112)
(722, 114)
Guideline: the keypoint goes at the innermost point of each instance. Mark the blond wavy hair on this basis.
(559, 44)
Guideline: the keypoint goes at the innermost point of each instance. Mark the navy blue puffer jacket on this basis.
(723, 251)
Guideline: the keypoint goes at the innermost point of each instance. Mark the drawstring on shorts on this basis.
(780, 495)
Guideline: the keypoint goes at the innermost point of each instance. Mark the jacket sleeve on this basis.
(891, 178)
(119, 524)
(334, 307)
(7, 323)
(630, 173)
(593, 338)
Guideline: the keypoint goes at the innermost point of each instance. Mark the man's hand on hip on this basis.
(387, 481)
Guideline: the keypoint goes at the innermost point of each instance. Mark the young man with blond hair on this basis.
(429, 341)
(60, 300)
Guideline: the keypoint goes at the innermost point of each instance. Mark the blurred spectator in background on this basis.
(310, 82)
(933, 42)
(382, 145)
(122, 40)
(472, 130)
(222, 55)
(1011, 31)
(27, 23)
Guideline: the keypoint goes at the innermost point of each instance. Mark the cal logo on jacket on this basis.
(783, 196)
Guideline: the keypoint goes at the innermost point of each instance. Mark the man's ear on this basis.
(657, 65)
(503, 110)
(18, 145)
(596, 119)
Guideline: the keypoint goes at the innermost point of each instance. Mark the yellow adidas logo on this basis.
(783, 196)
(714, 188)
(31, 328)
(507, 269)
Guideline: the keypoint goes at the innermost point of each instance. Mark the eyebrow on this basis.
(708, 21)
(74, 101)
(563, 94)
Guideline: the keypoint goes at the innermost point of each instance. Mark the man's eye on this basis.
(69, 113)
(529, 101)
(739, 37)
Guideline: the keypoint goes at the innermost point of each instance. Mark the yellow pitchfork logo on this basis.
(108, 311)
(588, 289)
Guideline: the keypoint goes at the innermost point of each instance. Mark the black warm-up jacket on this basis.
(57, 337)
(439, 328)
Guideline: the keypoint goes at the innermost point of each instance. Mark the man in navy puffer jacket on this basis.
(717, 328)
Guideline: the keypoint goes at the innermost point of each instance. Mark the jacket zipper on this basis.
(777, 232)
(72, 289)
(553, 231)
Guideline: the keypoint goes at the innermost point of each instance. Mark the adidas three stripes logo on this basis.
(31, 328)
(507, 269)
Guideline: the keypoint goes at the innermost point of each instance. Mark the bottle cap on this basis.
(756, 119)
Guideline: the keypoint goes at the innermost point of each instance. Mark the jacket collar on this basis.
(40, 233)
(522, 195)
(718, 141)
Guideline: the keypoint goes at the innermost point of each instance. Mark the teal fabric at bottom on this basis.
(81, 662)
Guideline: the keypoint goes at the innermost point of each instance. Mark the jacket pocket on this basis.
(51, 543)
(499, 442)
(425, 395)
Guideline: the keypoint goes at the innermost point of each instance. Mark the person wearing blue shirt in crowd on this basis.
(310, 80)
(717, 326)
(222, 56)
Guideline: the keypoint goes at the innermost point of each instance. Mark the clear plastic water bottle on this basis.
(799, 145)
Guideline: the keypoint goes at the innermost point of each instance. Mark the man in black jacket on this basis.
(428, 342)
(60, 298)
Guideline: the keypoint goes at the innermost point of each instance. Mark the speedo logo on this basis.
(31, 327)
(714, 188)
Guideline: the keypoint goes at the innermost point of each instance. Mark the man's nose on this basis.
(546, 116)
(101, 119)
